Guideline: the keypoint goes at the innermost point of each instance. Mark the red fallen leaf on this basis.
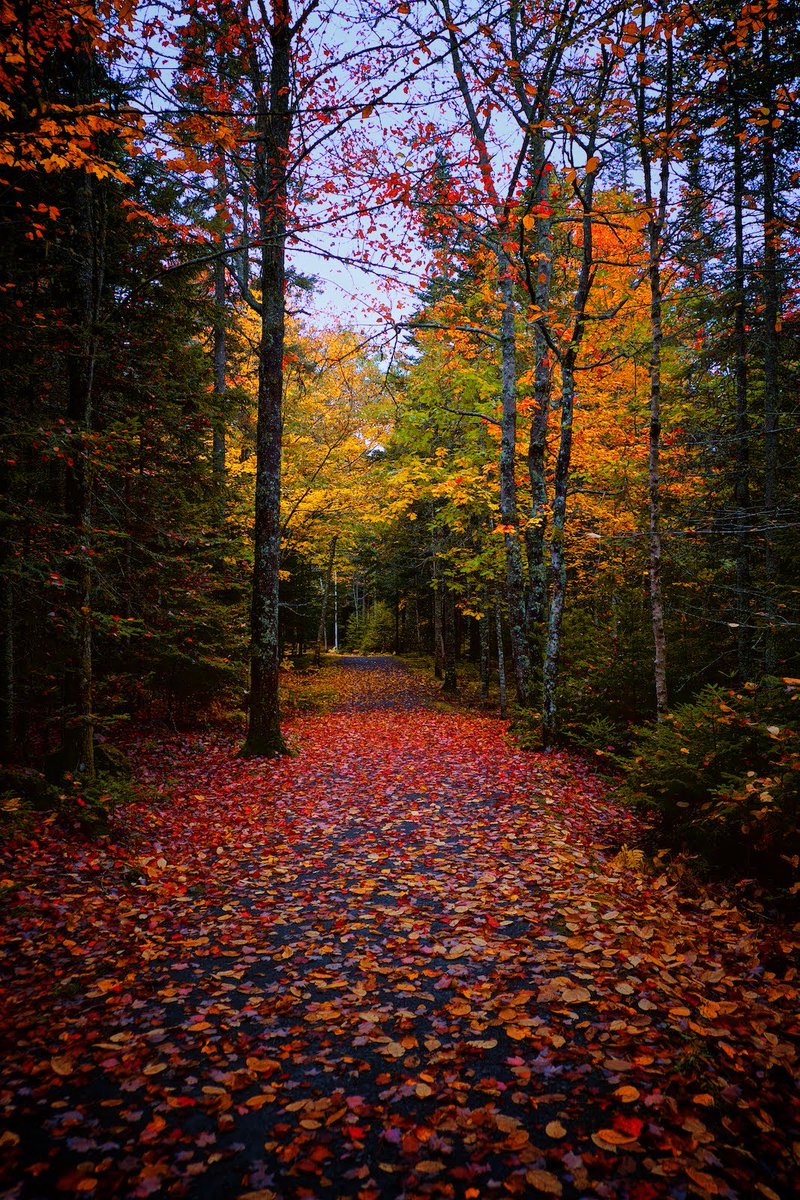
(152, 1129)
(390, 771)
(629, 1125)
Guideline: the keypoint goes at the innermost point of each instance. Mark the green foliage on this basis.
(373, 634)
(75, 803)
(599, 735)
(723, 773)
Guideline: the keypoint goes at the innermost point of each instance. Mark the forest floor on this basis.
(399, 964)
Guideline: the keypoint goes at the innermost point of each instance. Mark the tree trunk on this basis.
(771, 356)
(485, 648)
(515, 581)
(537, 526)
(323, 616)
(219, 369)
(741, 486)
(7, 691)
(450, 683)
(657, 207)
(654, 478)
(501, 658)
(264, 737)
(438, 632)
(558, 562)
(77, 750)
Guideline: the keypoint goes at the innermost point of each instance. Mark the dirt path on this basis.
(396, 965)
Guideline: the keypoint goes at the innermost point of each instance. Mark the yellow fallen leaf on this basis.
(544, 1182)
(429, 1166)
(423, 1091)
(576, 995)
(154, 1068)
(554, 1129)
(707, 1185)
(506, 1124)
(394, 1050)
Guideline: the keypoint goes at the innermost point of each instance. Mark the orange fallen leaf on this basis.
(62, 1065)
(517, 1032)
(554, 1129)
(605, 1138)
(544, 1182)
(627, 1094)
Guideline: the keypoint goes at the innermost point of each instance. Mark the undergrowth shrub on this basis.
(722, 773)
(372, 634)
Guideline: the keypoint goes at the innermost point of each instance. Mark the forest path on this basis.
(399, 964)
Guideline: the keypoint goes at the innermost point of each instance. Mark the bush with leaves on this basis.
(372, 634)
(723, 772)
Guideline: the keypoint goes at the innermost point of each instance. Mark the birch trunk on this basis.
(485, 648)
(515, 579)
(323, 616)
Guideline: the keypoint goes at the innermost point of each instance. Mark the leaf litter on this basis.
(399, 964)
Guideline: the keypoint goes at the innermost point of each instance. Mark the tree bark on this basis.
(515, 579)
(657, 207)
(537, 526)
(219, 352)
(654, 480)
(568, 360)
(7, 691)
(323, 616)
(264, 738)
(485, 647)
(77, 749)
(438, 633)
(450, 682)
(771, 358)
(741, 485)
(501, 658)
(558, 562)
